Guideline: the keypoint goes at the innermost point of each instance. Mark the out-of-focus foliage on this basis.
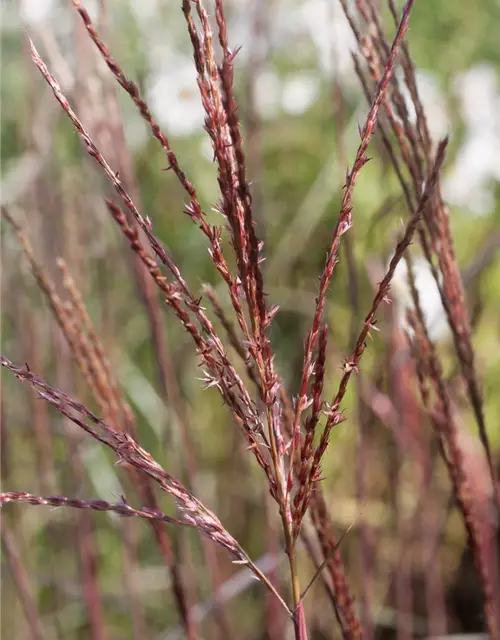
(302, 114)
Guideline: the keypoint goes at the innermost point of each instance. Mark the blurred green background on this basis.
(300, 104)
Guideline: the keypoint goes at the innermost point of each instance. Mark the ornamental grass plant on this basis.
(333, 479)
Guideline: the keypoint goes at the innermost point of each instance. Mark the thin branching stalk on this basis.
(350, 366)
(344, 223)
(89, 354)
(122, 508)
(129, 452)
